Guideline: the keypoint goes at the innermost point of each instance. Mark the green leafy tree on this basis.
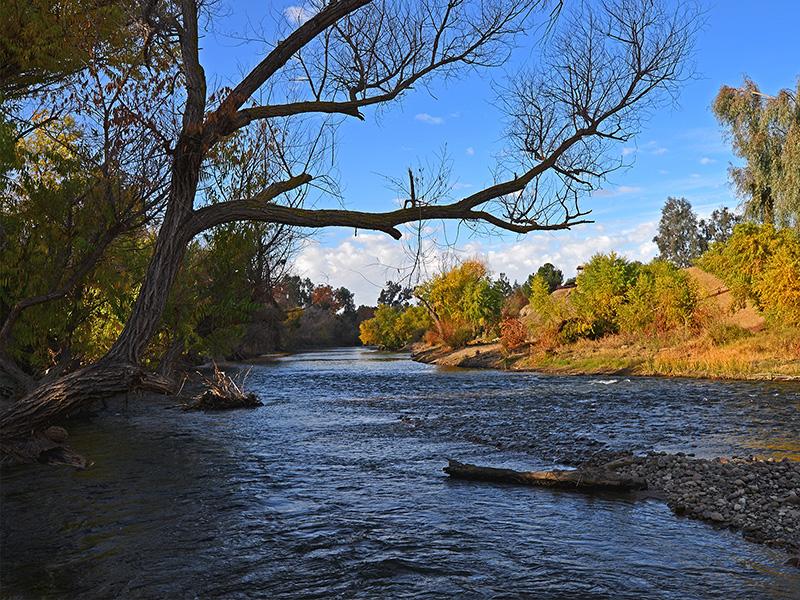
(462, 302)
(395, 294)
(551, 275)
(718, 227)
(42, 41)
(393, 328)
(661, 298)
(601, 290)
(765, 132)
(503, 286)
(678, 239)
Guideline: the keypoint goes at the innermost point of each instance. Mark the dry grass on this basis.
(768, 354)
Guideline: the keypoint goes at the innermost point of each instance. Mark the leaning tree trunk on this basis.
(118, 371)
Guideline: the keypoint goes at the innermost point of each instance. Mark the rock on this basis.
(716, 516)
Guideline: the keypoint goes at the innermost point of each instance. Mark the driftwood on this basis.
(221, 392)
(587, 479)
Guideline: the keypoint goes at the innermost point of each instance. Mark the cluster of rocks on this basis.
(760, 498)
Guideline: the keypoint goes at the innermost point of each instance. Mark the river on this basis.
(334, 489)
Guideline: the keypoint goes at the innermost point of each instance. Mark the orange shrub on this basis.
(513, 333)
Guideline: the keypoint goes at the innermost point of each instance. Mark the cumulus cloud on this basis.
(706, 160)
(429, 119)
(470, 151)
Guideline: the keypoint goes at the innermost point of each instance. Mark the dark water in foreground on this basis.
(334, 489)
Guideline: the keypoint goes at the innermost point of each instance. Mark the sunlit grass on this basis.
(768, 354)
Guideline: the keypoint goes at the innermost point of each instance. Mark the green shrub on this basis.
(661, 298)
(601, 291)
(761, 264)
(393, 328)
(725, 333)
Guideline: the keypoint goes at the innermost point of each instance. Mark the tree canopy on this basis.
(678, 239)
(765, 133)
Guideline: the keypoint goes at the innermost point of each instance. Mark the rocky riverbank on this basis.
(760, 498)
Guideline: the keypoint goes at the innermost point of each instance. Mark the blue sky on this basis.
(680, 151)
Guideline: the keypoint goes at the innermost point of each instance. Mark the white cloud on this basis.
(297, 15)
(660, 151)
(429, 119)
(706, 160)
(470, 151)
(461, 186)
(627, 150)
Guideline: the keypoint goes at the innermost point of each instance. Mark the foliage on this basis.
(778, 287)
(503, 286)
(394, 294)
(550, 311)
(41, 43)
(661, 298)
(553, 277)
(719, 226)
(513, 333)
(50, 218)
(463, 302)
(601, 291)
(761, 264)
(293, 291)
(393, 328)
(765, 132)
(678, 239)
(614, 295)
(721, 333)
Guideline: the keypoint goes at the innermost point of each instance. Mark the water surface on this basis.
(334, 489)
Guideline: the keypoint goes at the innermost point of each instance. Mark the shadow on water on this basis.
(334, 489)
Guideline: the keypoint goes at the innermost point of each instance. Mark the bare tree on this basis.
(608, 64)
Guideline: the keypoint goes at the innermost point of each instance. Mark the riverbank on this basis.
(762, 356)
(759, 498)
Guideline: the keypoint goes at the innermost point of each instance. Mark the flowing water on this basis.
(334, 489)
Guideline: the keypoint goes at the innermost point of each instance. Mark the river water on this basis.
(334, 489)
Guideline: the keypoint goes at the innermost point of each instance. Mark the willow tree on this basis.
(765, 132)
(602, 68)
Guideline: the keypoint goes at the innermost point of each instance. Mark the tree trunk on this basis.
(585, 479)
(65, 396)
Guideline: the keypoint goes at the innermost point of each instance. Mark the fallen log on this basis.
(585, 479)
